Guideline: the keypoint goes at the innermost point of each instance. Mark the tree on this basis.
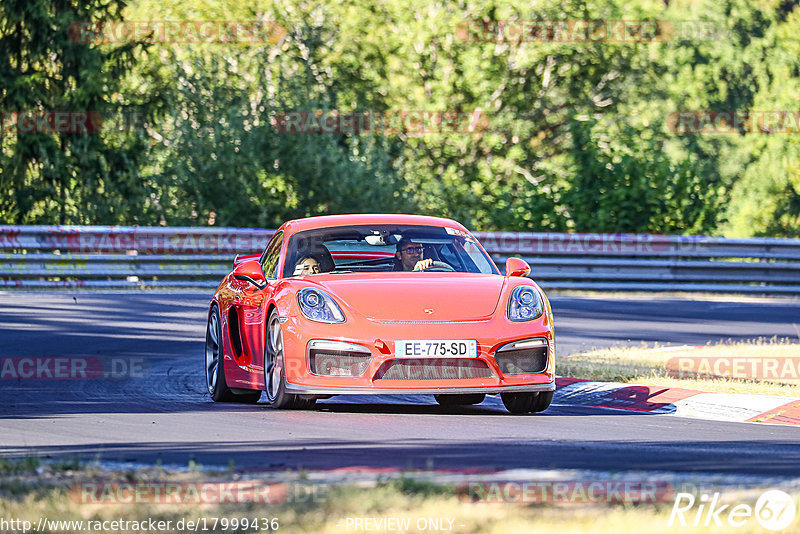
(63, 176)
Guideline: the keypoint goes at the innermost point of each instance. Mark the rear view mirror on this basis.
(517, 267)
(250, 271)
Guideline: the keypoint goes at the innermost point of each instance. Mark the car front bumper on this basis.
(489, 390)
(490, 335)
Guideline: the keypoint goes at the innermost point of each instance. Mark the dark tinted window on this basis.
(370, 248)
(269, 260)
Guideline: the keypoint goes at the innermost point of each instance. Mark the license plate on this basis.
(436, 348)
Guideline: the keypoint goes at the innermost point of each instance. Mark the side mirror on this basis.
(517, 267)
(250, 271)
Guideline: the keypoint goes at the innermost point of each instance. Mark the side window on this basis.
(269, 260)
(478, 260)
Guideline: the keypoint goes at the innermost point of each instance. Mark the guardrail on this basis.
(120, 257)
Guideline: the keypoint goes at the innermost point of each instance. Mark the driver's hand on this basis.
(423, 264)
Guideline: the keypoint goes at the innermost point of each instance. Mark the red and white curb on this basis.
(681, 402)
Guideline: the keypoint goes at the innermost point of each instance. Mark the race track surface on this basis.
(165, 414)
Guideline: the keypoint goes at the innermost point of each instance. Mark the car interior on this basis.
(372, 249)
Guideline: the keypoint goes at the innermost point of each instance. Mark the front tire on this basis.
(543, 400)
(521, 403)
(275, 372)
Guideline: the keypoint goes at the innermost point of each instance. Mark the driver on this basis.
(409, 256)
(306, 265)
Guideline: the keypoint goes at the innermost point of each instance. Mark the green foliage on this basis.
(28, 464)
(625, 182)
(62, 177)
(767, 198)
(576, 137)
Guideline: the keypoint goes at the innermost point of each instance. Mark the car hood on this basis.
(417, 296)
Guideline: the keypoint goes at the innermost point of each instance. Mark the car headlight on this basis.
(319, 306)
(524, 304)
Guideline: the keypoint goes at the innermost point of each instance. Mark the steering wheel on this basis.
(440, 266)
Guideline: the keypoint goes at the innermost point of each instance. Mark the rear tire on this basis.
(215, 361)
(461, 399)
(274, 371)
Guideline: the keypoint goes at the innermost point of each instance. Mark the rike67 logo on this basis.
(774, 510)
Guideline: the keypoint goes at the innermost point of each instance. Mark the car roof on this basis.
(327, 221)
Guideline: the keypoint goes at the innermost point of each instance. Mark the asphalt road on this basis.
(164, 412)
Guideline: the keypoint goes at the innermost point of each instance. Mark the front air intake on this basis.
(335, 358)
(433, 369)
(522, 357)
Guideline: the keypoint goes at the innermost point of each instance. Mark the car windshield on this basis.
(372, 248)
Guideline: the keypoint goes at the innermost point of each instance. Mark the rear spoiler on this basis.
(246, 257)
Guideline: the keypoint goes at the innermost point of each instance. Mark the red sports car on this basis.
(379, 304)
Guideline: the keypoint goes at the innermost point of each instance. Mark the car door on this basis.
(250, 303)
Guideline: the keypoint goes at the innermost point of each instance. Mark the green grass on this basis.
(29, 464)
(648, 366)
(405, 498)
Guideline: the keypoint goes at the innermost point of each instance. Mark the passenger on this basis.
(408, 256)
(306, 265)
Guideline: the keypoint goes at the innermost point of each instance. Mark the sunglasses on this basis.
(417, 250)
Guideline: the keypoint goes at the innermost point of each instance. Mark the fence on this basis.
(120, 257)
